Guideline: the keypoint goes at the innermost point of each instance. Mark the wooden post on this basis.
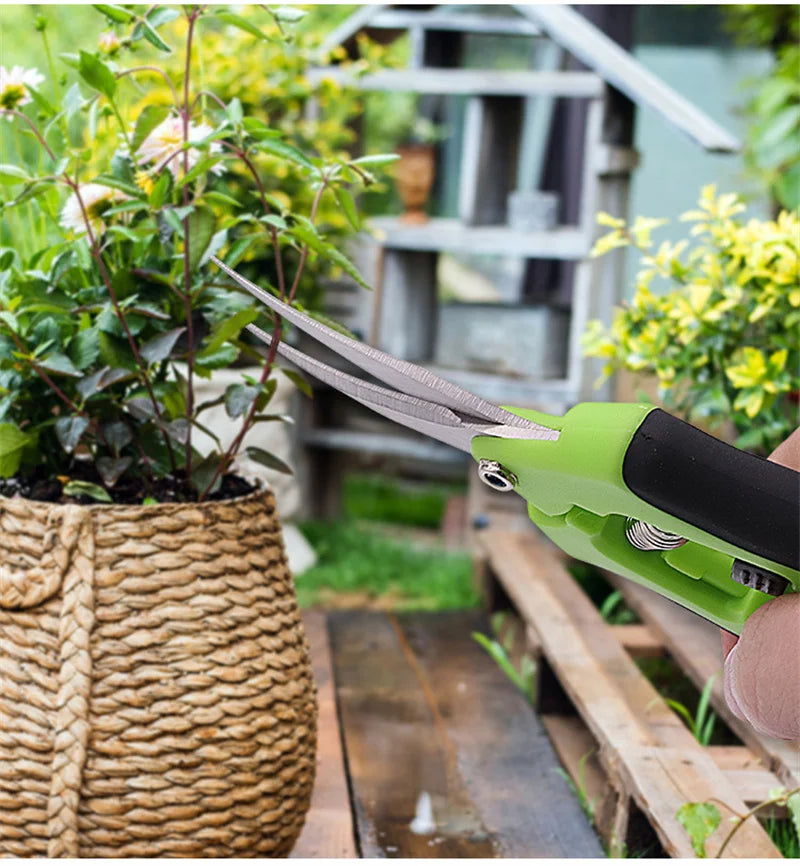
(406, 324)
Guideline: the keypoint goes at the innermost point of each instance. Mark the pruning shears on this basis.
(624, 486)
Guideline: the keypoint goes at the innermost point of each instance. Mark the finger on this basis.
(762, 671)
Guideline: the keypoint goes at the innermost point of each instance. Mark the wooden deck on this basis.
(427, 750)
(612, 729)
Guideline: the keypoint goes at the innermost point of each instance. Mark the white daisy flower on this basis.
(97, 199)
(167, 139)
(14, 84)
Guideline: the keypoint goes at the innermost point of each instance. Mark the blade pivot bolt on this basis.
(496, 476)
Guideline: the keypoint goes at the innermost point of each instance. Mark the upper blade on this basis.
(402, 375)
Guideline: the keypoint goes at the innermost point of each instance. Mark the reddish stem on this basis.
(187, 276)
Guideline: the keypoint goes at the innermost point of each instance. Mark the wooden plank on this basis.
(579, 753)
(464, 22)
(328, 831)
(431, 725)
(695, 645)
(638, 640)
(601, 54)
(660, 762)
(451, 235)
(468, 82)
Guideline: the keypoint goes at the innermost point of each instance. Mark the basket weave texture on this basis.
(156, 696)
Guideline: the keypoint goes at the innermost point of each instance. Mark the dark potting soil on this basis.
(125, 492)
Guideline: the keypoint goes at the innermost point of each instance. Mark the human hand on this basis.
(762, 666)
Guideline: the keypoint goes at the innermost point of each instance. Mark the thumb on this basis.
(762, 671)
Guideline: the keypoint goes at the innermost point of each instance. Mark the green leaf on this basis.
(234, 111)
(206, 361)
(13, 442)
(116, 352)
(116, 183)
(793, 805)
(378, 160)
(239, 21)
(287, 13)
(200, 168)
(229, 329)
(258, 129)
(159, 347)
(112, 468)
(118, 434)
(346, 203)
(274, 220)
(160, 191)
(150, 117)
(202, 223)
(239, 399)
(11, 174)
(699, 820)
(162, 15)
(96, 74)
(286, 151)
(298, 380)
(84, 349)
(204, 471)
(70, 429)
(268, 460)
(305, 232)
(115, 13)
(58, 363)
(86, 488)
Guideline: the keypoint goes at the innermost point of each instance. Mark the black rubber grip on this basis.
(736, 496)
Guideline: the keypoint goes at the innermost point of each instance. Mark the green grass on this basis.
(389, 500)
(358, 562)
(785, 837)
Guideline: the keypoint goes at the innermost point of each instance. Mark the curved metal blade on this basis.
(421, 415)
(406, 377)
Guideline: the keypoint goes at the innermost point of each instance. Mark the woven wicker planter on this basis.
(156, 697)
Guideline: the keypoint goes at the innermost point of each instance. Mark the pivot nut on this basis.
(496, 476)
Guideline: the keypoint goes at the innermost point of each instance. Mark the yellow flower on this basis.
(145, 182)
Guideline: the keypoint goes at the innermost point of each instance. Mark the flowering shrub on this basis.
(724, 338)
(110, 304)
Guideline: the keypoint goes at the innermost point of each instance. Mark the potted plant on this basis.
(415, 170)
(155, 690)
(723, 335)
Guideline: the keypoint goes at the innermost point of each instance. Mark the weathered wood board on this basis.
(696, 645)
(328, 831)
(643, 745)
(445, 756)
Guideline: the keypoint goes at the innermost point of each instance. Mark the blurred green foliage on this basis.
(356, 561)
(724, 338)
(372, 497)
(773, 138)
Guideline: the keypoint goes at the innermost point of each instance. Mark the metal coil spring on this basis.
(645, 536)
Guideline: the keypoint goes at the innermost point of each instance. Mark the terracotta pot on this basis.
(156, 695)
(414, 176)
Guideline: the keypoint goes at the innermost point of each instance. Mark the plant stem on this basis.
(742, 818)
(187, 276)
(233, 450)
(98, 257)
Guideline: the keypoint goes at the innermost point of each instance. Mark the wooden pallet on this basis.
(615, 734)
(412, 711)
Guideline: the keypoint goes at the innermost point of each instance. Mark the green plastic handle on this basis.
(577, 496)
